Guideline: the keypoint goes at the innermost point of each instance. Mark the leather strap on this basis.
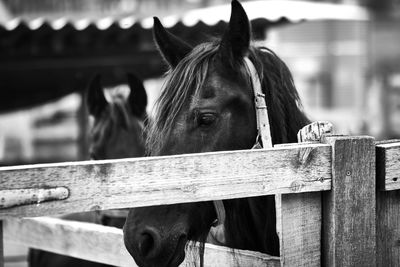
(263, 126)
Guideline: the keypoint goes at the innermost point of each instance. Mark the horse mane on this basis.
(181, 82)
(285, 109)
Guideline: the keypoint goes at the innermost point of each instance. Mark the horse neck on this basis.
(250, 224)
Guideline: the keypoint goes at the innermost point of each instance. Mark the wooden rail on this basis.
(105, 244)
(356, 231)
(388, 164)
(96, 185)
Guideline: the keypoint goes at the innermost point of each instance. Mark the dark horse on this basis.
(117, 132)
(207, 105)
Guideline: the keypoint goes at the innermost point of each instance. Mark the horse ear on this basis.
(95, 98)
(172, 48)
(235, 42)
(137, 98)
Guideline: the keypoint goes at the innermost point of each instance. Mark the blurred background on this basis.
(344, 56)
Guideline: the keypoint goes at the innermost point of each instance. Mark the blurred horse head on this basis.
(117, 130)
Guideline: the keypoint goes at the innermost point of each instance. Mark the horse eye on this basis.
(206, 119)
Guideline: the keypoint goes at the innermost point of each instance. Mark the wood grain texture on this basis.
(299, 229)
(388, 165)
(105, 244)
(77, 239)
(388, 228)
(349, 227)
(149, 181)
(1, 245)
(388, 205)
(223, 256)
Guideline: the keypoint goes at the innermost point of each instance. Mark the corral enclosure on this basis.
(344, 190)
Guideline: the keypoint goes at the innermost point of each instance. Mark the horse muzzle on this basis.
(151, 246)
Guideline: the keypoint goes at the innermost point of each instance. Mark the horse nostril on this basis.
(149, 243)
(146, 244)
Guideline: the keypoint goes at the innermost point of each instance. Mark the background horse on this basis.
(117, 132)
(207, 105)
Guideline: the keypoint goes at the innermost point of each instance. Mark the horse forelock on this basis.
(181, 83)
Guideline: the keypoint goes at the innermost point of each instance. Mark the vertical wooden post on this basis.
(349, 209)
(299, 216)
(1, 245)
(388, 230)
(388, 204)
(299, 228)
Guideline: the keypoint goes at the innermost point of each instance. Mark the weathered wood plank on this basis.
(223, 256)
(388, 228)
(167, 180)
(299, 215)
(388, 165)
(105, 244)
(388, 205)
(77, 239)
(349, 229)
(299, 229)
(1, 245)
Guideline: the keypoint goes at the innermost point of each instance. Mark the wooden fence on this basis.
(338, 201)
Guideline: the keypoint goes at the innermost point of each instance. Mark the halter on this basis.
(263, 139)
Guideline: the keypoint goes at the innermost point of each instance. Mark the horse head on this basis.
(117, 130)
(208, 105)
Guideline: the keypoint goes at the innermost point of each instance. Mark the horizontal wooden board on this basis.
(95, 185)
(105, 244)
(388, 165)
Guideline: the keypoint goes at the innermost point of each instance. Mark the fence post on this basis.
(1, 245)
(299, 215)
(388, 203)
(349, 209)
(299, 228)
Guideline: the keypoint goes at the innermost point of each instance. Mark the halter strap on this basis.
(264, 139)
(263, 126)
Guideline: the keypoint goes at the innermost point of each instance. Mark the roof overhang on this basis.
(271, 10)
